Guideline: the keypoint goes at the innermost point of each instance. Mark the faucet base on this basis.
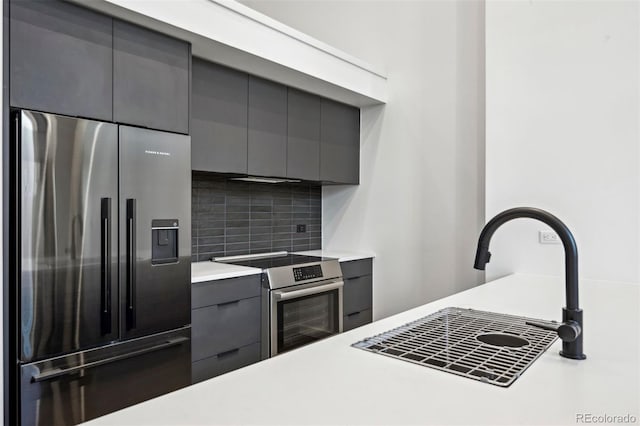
(573, 349)
(573, 356)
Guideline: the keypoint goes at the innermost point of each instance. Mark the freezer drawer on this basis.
(79, 387)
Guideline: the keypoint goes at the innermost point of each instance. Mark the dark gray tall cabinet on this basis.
(267, 138)
(303, 135)
(218, 118)
(60, 59)
(69, 60)
(150, 78)
(339, 143)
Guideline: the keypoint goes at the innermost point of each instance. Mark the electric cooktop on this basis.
(276, 261)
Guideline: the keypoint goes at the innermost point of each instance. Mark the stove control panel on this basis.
(307, 272)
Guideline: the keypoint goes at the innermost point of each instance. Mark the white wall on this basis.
(234, 35)
(562, 82)
(419, 205)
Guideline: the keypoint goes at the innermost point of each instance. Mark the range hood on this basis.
(258, 179)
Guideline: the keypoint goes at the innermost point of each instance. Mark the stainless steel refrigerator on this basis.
(105, 248)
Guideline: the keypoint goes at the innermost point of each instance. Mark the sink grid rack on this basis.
(447, 340)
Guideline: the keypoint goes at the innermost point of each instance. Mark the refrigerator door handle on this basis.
(131, 263)
(57, 372)
(105, 209)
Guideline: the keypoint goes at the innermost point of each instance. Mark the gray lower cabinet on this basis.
(218, 118)
(224, 362)
(60, 59)
(357, 319)
(303, 135)
(267, 138)
(357, 293)
(339, 143)
(225, 324)
(151, 74)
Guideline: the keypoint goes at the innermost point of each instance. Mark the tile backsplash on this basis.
(233, 217)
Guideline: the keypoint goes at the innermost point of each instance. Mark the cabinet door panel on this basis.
(151, 79)
(358, 294)
(218, 118)
(267, 149)
(303, 135)
(356, 319)
(225, 362)
(356, 268)
(339, 143)
(60, 59)
(225, 326)
(214, 292)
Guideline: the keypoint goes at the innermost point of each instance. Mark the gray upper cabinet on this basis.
(60, 59)
(303, 135)
(150, 78)
(339, 143)
(218, 118)
(267, 147)
(247, 125)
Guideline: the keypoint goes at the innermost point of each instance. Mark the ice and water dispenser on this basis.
(164, 244)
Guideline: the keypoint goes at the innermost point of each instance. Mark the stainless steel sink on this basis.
(486, 346)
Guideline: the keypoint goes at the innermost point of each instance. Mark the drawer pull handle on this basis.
(233, 302)
(227, 353)
(353, 314)
(354, 277)
(58, 372)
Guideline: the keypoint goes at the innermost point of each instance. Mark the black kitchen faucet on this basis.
(570, 330)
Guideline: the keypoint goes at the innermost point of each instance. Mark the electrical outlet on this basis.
(301, 228)
(548, 237)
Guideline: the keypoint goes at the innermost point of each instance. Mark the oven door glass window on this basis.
(307, 319)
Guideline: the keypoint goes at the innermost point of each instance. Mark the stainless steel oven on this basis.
(301, 299)
(303, 314)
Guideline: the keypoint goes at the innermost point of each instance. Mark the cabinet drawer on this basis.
(225, 362)
(356, 268)
(357, 319)
(357, 294)
(225, 326)
(221, 291)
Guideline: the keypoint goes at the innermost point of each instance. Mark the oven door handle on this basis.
(285, 295)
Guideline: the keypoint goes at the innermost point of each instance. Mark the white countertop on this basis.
(342, 256)
(207, 271)
(332, 383)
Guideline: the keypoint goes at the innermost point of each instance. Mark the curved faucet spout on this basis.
(571, 312)
(570, 249)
